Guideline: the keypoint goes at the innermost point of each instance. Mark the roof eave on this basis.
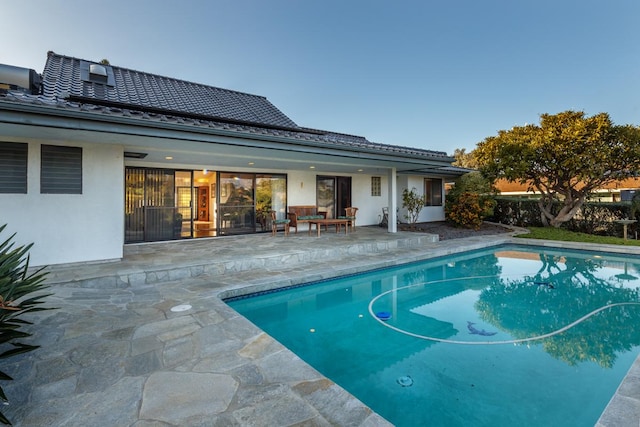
(61, 113)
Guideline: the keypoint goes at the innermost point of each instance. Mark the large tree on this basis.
(566, 157)
(464, 159)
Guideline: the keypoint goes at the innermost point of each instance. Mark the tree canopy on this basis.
(566, 157)
(464, 159)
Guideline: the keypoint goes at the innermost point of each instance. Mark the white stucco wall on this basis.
(369, 207)
(302, 191)
(301, 188)
(68, 228)
(428, 213)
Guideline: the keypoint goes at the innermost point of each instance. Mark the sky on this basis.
(436, 75)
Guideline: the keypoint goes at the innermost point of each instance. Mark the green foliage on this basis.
(468, 210)
(635, 205)
(413, 203)
(17, 289)
(470, 201)
(464, 159)
(592, 218)
(472, 182)
(564, 159)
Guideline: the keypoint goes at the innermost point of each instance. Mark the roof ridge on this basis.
(331, 131)
(52, 53)
(382, 144)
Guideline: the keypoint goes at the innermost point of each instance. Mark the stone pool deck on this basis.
(115, 354)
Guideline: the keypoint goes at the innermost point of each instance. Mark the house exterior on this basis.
(94, 157)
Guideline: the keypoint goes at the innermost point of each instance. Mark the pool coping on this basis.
(623, 408)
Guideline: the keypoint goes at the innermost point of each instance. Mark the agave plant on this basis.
(17, 288)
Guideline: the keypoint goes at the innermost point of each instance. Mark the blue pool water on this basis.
(481, 338)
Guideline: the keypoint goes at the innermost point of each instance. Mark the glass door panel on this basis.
(160, 212)
(343, 196)
(184, 202)
(204, 200)
(236, 207)
(326, 195)
(134, 205)
(271, 194)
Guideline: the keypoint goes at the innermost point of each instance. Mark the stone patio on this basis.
(115, 354)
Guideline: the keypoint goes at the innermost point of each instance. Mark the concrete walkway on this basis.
(147, 341)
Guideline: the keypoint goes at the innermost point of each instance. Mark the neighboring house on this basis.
(94, 157)
(616, 191)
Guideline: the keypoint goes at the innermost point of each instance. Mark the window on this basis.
(61, 170)
(376, 186)
(432, 192)
(13, 167)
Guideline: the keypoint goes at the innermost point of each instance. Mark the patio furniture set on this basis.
(311, 216)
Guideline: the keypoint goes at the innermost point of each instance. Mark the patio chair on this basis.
(350, 214)
(275, 223)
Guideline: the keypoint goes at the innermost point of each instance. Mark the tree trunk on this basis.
(568, 211)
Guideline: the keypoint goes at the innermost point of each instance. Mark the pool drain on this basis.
(181, 307)
(405, 381)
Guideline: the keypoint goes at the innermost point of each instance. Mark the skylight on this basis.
(97, 73)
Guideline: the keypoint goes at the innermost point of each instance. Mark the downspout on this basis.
(392, 225)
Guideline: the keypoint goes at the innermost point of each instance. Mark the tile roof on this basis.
(153, 98)
(63, 76)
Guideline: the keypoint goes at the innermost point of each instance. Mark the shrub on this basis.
(468, 210)
(17, 287)
(413, 203)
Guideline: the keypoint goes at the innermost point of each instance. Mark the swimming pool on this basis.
(471, 339)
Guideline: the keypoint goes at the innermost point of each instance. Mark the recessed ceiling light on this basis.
(168, 158)
(251, 163)
(360, 170)
(312, 167)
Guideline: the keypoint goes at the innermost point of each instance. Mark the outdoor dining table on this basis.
(326, 222)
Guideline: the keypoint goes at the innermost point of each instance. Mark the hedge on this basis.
(592, 218)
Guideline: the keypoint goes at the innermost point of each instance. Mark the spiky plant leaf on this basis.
(20, 293)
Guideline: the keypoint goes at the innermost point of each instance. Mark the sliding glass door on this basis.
(151, 213)
(333, 194)
(165, 204)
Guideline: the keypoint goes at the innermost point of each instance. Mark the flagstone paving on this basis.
(113, 353)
